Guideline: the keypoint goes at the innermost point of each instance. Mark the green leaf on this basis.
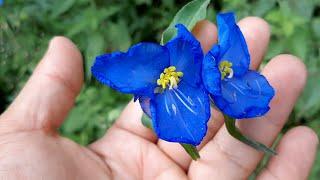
(235, 132)
(118, 36)
(314, 175)
(316, 27)
(275, 48)
(191, 150)
(60, 8)
(188, 15)
(308, 104)
(300, 42)
(141, 2)
(261, 7)
(77, 120)
(301, 8)
(95, 47)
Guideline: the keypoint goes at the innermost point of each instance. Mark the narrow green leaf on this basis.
(261, 7)
(188, 15)
(119, 36)
(308, 105)
(235, 132)
(191, 150)
(302, 8)
(61, 7)
(316, 27)
(95, 46)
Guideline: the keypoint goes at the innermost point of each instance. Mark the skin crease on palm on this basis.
(31, 148)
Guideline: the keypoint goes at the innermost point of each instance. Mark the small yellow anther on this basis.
(180, 74)
(172, 68)
(163, 84)
(169, 78)
(161, 75)
(226, 70)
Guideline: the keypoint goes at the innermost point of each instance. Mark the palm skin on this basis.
(36, 155)
(31, 148)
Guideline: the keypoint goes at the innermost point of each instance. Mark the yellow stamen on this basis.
(169, 78)
(226, 70)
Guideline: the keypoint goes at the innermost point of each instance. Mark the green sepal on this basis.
(188, 15)
(191, 150)
(146, 121)
(235, 132)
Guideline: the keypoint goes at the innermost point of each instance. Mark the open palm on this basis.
(31, 148)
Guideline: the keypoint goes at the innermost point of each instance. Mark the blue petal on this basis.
(210, 73)
(145, 105)
(135, 98)
(245, 97)
(135, 71)
(232, 43)
(186, 55)
(181, 115)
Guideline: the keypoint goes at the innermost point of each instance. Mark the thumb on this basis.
(49, 94)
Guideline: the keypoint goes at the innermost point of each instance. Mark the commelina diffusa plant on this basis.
(175, 82)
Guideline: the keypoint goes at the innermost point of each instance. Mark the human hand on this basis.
(31, 148)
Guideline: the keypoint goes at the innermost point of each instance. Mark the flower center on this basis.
(225, 68)
(169, 78)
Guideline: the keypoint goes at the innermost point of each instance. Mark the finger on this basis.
(128, 149)
(296, 153)
(257, 33)
(227, 156)
(49, 94)
(206, 33)
(130, 120)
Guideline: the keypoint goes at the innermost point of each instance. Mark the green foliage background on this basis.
(99, 26)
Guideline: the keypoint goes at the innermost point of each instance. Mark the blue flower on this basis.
(167, 81)
(235, 89)
(1, 2)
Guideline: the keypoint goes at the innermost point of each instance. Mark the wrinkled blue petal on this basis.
(186, 55)
(135, 98)
(145, 105)
(181, 115)
(135, 71)
(232, 44)
(210, 73)
(245, 97)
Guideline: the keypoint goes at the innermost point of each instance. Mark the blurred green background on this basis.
(99, 26)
